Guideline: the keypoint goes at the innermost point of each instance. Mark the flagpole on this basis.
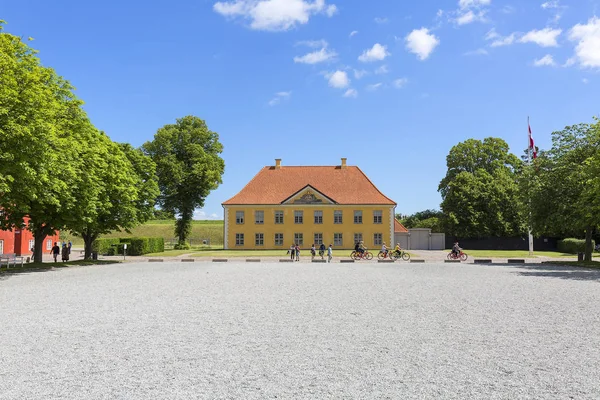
(528, 195)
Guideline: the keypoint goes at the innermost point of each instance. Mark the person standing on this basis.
(65, 253)
(69, 246)
(322, 251)
(297, 253)
(313, 252)
(293, 252)
(329, 254)
(55, 251)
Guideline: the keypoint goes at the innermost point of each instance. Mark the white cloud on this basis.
(546, 61)
(359, 73)
(316, 57)
(351, 93)
(382, 70)
(470, 16)
(315, 44)
(478, 52)
(383, 20)
(376, 53)
(473, 3)
(338, 79)
(374, 86)
(550, 4)
(555, 7)
(400, 83)
(279, 97)
(570, 62)
(421, 42)
(492, 34)
(202, 215)
(587, 36)
(544, 37)
(274, 15)
(498, 40)
(470, 11)
(353, 33)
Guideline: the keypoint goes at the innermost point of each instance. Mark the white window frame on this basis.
(358, 217)
(259, 239)
(378, 239)
(318, 217)
(280, 239)
(299, 239)
(318, 240)
(49, 244)
(358, 237)
(259, 217)
(338, 239)
(298, 217)
(278, 216)
(1, 246)
(239, 239)
(240, 216)
(338, 217)
(378, 217)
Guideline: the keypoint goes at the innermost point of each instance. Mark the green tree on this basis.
(188, 166)
(423, 219)
(39, 165)
(563, 185)
(480, 192)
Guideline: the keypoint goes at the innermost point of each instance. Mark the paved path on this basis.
(306, 331)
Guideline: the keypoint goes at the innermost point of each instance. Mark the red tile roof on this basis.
(343, 185)
(398, 227)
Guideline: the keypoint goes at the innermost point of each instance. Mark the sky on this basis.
(390, 85)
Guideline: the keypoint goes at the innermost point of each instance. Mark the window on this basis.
(298, 217)
(299, 239)
(259, 239)
(377, 217)
(49, 244)
(318, 239)
(338, 239)
(239, 239)
(378, 239)
(279, 217)
(259, 217)
(358, 217)
(318, 217)
(239, 217)
(2, 247)
(31, 244)
(279, 239)
(337, 217)
(358, 237)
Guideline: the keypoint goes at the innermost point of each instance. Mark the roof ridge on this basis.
(376, 188)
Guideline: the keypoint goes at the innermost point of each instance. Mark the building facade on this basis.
(20, 241)
(282, 206)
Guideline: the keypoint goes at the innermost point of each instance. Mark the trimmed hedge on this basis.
(572, 246)
(136, 246)
(105, 246)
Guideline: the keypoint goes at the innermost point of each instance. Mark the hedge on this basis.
(136, 246)
(573, 246)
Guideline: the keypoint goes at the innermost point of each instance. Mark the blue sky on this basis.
(391, 85)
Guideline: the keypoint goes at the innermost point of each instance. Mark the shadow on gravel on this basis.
(555, 271)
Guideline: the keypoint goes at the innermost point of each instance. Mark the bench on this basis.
(11, 258)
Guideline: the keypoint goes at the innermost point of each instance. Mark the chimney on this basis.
(278, 163)
(344, 166)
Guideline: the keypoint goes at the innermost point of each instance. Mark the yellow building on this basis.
(282, 205)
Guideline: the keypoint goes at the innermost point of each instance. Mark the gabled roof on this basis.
(398, 227)
(348, 185)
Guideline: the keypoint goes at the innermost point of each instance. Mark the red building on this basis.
(20, 241)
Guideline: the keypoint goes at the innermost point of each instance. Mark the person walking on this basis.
(313, 252)
(322, 251)
(55, 251)
(329, 254)
(293, 252)
(297, 253)
(65, 253)
(69, 246)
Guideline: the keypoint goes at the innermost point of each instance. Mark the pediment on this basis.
(308, 195)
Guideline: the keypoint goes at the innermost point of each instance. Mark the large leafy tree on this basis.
(480, 192)
(189, 167)
(563, 185)
(40, 118)
(432, 219)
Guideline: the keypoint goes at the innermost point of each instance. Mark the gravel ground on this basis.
(310, 331)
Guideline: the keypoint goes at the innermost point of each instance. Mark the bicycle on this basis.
(400, 254)
(357, 255)
(383, 255)
(461, 256)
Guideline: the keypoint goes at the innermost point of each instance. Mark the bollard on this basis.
(220, 260)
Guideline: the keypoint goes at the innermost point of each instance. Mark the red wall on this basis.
(17, 241)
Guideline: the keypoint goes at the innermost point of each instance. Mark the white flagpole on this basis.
(529, 163)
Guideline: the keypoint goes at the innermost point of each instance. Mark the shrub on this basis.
(137, 246)
(572, 246)
(182, 246)
(105, 246)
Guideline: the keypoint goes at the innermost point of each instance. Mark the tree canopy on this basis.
(480, 192)
(188, 166)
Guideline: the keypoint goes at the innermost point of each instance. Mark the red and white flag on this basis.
(531, 144)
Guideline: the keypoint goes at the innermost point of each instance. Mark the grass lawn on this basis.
(584, 264)
(49, 265)
(517, 254)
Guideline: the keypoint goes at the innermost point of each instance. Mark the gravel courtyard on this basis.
(308, 331)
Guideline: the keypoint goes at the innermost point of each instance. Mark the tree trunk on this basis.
(39, 235)
(88, 240)
(588, 244)
(183, 226)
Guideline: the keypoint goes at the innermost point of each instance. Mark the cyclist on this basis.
(384, 249)
(398, 249)
(456, 249)
(361, 248)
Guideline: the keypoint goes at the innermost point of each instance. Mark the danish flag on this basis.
(531, 144)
